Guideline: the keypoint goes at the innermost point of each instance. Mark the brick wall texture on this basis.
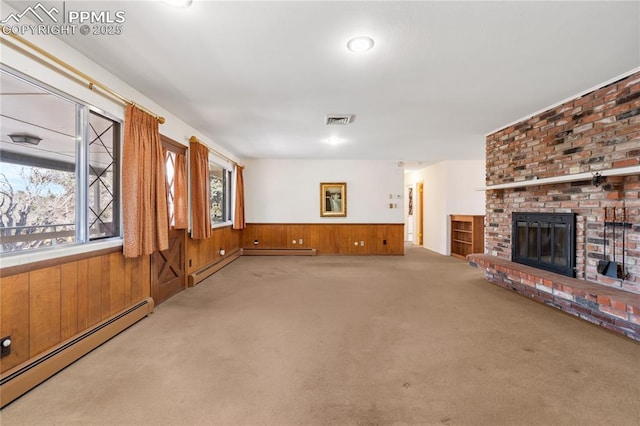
(594, 132)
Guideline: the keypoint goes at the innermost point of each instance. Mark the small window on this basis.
(174, 159)
(220, 184)
(59, 178)
(169, 170)
(104, 136)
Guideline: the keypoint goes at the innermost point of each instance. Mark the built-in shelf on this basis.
(622, 171)
(467, 235)
(461, 241)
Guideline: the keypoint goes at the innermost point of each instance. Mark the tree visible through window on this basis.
(220, 193)
(37, 207)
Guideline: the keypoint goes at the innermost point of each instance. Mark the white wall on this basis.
(288, 191)
(450, 187)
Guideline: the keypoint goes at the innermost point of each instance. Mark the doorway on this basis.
(168, 267)
(410, 221)
(420, 210)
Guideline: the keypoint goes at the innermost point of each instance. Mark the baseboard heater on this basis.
(26, 376)
(278, 252)
(207, 271)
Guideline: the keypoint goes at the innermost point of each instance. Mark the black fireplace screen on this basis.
(545, 240)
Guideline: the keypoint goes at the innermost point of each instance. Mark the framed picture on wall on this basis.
(333, 199)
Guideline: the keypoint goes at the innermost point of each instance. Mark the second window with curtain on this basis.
(220, 191)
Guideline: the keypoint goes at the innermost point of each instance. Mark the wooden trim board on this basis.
(207, 271)
(279, 252)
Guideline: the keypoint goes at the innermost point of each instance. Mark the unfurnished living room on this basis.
(319, 212)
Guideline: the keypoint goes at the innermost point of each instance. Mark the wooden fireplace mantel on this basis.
(621, 171)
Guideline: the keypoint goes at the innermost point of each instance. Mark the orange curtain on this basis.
(200, 203)
(238, 215)
(144, 193)
(180, 210)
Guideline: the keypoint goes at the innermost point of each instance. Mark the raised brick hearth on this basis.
(545, 163)
(614, 309)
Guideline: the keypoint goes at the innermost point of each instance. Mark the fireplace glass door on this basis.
(545, 240)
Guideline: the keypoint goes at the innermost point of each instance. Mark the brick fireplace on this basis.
(546, 163)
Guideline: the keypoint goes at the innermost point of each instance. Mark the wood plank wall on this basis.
(201, 253)
(43, 304)
(42, 307)
(328, 238)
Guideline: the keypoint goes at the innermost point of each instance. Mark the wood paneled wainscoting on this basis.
(46, 303)
(327, 239)
(203, 256)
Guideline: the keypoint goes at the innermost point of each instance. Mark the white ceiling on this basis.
(258, 78)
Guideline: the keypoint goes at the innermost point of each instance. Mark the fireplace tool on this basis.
(615, 266)
(603, 265)
(607, 267)
(622, 273)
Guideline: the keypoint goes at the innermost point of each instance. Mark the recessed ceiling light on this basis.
(334, 141)
(360, 44)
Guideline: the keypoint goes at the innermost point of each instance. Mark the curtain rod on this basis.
(92, 83)
(218, 153)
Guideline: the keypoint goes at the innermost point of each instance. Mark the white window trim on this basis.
(227, 165)
(8, 259)
(50, 253)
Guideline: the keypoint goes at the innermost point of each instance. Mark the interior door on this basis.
(168, 268)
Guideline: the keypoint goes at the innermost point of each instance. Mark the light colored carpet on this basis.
(328, 340)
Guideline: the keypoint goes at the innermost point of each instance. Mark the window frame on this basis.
(117, 173)
(83, 241)
(176, 149)
(229, 201)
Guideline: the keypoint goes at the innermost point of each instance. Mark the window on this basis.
(59, 176)
(175, 168)
(104, 137)
(220, 184)
(169, 170)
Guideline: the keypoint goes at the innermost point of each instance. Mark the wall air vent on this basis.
(338, 119)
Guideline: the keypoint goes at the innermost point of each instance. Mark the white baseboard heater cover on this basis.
(28, 375)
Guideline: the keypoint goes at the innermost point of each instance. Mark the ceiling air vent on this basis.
(338, 119)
